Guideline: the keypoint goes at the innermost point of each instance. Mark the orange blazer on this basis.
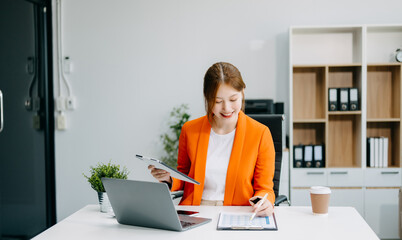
(251, 165)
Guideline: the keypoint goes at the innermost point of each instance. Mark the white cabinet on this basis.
(352, 197)
(382, 211)
(300, 197)
(308, 177)
(389, 177)
(346, 177)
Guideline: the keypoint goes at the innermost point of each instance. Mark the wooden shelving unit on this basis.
(377, 77)
(308, 133)
(344, 141)
(309, 97)
(359, 57)
(384, 107)
(314, 124)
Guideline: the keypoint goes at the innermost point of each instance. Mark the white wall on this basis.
(134, 60)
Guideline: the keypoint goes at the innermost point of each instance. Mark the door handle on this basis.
(315, 173)
(1, 112)
(340, 173)
(390, 172)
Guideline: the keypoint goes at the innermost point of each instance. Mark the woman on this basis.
(230, 154)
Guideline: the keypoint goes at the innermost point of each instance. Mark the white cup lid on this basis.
(320, 190)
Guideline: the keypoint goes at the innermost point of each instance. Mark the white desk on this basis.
(293, 223)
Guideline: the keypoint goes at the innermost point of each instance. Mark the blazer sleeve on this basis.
(183, 161)
(265, 167)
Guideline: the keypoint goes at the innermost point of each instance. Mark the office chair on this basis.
(275, 124)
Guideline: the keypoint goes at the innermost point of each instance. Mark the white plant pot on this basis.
(104, 202)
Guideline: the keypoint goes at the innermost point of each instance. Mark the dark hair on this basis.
(217, 74)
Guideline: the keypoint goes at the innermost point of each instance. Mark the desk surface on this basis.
(293, 223)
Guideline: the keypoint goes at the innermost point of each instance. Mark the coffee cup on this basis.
(320, 199)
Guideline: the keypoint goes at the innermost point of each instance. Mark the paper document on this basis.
(241, 221)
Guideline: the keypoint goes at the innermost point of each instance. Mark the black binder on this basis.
(298, 156)
(308, 156)
(353, 99)
(319, 156)
(343, 99)
(332, 99)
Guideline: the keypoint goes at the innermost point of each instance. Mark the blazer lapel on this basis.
(235, 159)
(201, 160)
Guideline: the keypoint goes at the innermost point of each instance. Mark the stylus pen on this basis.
(259, 205)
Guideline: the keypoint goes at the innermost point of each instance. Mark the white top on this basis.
(340, 223)
(219, 150)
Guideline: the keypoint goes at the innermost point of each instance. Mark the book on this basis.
(385, 152)
(376, 152)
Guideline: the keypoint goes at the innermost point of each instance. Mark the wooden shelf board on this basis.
(308, 66)
(383, 120)
(384, 64)
(309, 120)
(346, 65)
(383, 168)
(327, 65)
(356, 167)
(345, 113)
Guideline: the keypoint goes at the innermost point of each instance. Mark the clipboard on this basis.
(240, 221)
(173, 172)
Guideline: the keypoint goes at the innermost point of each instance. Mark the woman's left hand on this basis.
(266, 208)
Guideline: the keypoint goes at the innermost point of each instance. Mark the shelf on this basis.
(382, 41)
(344, 141)
(309, 120)
(384, 120)
(309, 99)
(385, 168)
(344, 77)
(383, 91)
(308, 133)
(328, 65)
(345, 65)
(390, 130)
(384, 64)
(326, 45)
(344, 112)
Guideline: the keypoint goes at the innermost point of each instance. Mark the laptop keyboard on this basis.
(186, 224)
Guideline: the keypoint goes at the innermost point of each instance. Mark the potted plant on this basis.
(170, 140)
(97, 173)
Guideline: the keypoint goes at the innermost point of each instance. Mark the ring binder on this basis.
(333, 99)
(353, 99)
(298, 156)
(319, 156)
(344, 99)
(308, 156)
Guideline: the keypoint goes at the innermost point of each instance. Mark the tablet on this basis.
(173, 172)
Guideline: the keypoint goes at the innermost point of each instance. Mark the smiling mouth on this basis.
(227, 115)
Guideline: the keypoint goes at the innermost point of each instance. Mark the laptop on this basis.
(147, 204)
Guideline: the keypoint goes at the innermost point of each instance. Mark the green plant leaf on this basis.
(105, 170)
(170, 140)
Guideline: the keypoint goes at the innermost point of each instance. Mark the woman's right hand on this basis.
(160, 174)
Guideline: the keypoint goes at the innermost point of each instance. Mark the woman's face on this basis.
(228, 104)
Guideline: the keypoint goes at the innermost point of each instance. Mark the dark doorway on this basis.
(27, 182)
